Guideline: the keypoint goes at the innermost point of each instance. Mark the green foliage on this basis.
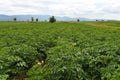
(59, 51)
(32, 19)
(36, 19)
(52, 19)
(78, 20)
(14, 19)
(3, 77)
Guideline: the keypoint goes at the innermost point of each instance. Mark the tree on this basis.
(32, 19)
(102, 20)
(36, 19)
(78, 20)
(14, 19)
(52, 19)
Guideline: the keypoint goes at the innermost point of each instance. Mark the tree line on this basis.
(52, 19)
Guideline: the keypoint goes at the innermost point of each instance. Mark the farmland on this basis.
(60, 51)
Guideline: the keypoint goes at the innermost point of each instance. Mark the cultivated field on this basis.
(60, 51)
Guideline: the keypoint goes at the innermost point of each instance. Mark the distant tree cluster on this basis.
(32, 19)
(99, 20)
(15, 19)
(78, 20)
(36, 19)
(52, 19)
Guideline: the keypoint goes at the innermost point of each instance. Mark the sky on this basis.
(93, 9)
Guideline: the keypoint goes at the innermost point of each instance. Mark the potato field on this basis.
(60, 50)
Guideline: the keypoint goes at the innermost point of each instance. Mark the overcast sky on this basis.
(106, 9)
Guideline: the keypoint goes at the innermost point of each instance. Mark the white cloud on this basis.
(109, 9)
